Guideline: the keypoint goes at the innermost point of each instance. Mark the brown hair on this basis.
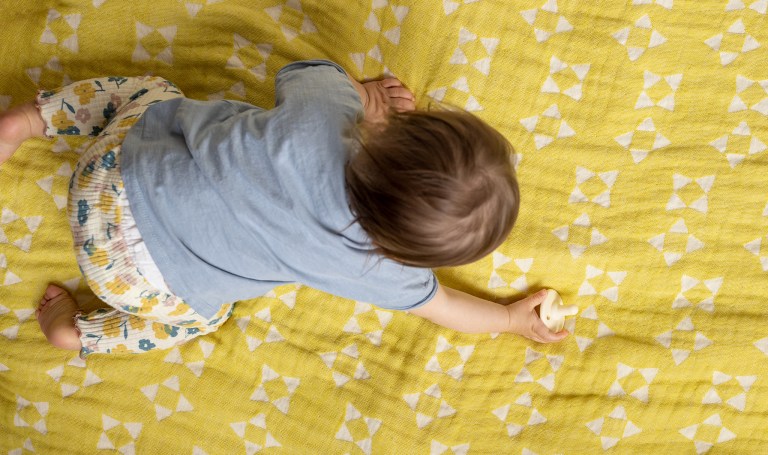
(434, 188)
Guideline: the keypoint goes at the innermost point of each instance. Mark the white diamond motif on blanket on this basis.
(31, 414)
(519, 415)
(291, 19)
(687, 195)
(62, 29)
(547, 127)
(613, 428)
(739, 145)
(381, 17)
(759, 249)
(733, 43)
(683, 340)
(539, 368)
(594, 187)
(368, 321)
(250, 56)
(168, 398)
(449, 359)
(750, 94)
(18, 231)
(702, 292)
(676, 243)
(653, 96)
(546, 21)
(154, 43)
(428, 405)
(258, 333)
(371, 64)
(729, 390)
(252, 430)
(579, 236)
(117, 435)
(194, 361)
(345, 365)
(643, 140)
(72, 379)
(610, 283)
(475, 51)
(588, 328)
(358, 429)
(708, 433)
(275, 389)
(568, 83)
(458, 94)
(22, 315)
(503, 275)
(636, 380)
(639, 38)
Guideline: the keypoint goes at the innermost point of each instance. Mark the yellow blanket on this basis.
(641, 128)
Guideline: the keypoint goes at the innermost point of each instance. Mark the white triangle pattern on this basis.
(422, 420)
(598, 425)
(724, 434)
(644, 22)
(290, 32)
(140, 53)
(736, 28)
(543, 35)
(701, 204)
(736, 157)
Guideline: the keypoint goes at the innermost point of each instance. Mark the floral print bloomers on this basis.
(142, 317)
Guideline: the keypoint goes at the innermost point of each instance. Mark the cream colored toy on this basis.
(553, 312)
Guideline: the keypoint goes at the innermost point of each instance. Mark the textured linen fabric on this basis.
(233, 200)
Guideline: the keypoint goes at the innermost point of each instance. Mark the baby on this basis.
(179, 207)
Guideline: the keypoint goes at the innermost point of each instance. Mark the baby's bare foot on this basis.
(56, 315)
(16, 126)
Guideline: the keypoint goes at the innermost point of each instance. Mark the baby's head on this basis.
(434, 188)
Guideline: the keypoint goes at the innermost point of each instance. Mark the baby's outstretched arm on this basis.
(466, 313)
(379, 97)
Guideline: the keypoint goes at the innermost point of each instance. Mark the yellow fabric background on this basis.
(669, 348)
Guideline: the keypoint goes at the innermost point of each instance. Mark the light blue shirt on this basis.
(232, 200)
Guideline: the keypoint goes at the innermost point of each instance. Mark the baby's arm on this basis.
(466, 313)
(379, 97)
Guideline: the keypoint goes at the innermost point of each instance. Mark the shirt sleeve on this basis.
(431, 289)
(403, 288)
(311, 84)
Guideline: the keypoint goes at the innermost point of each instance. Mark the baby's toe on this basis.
(53, 291)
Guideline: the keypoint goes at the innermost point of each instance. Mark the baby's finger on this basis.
(391, 82)
(554, 337)
(547, 335)
(400, 92)
(402, 104)
(536, 299)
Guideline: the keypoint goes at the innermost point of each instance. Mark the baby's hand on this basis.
(523, 320)
(385, 95)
